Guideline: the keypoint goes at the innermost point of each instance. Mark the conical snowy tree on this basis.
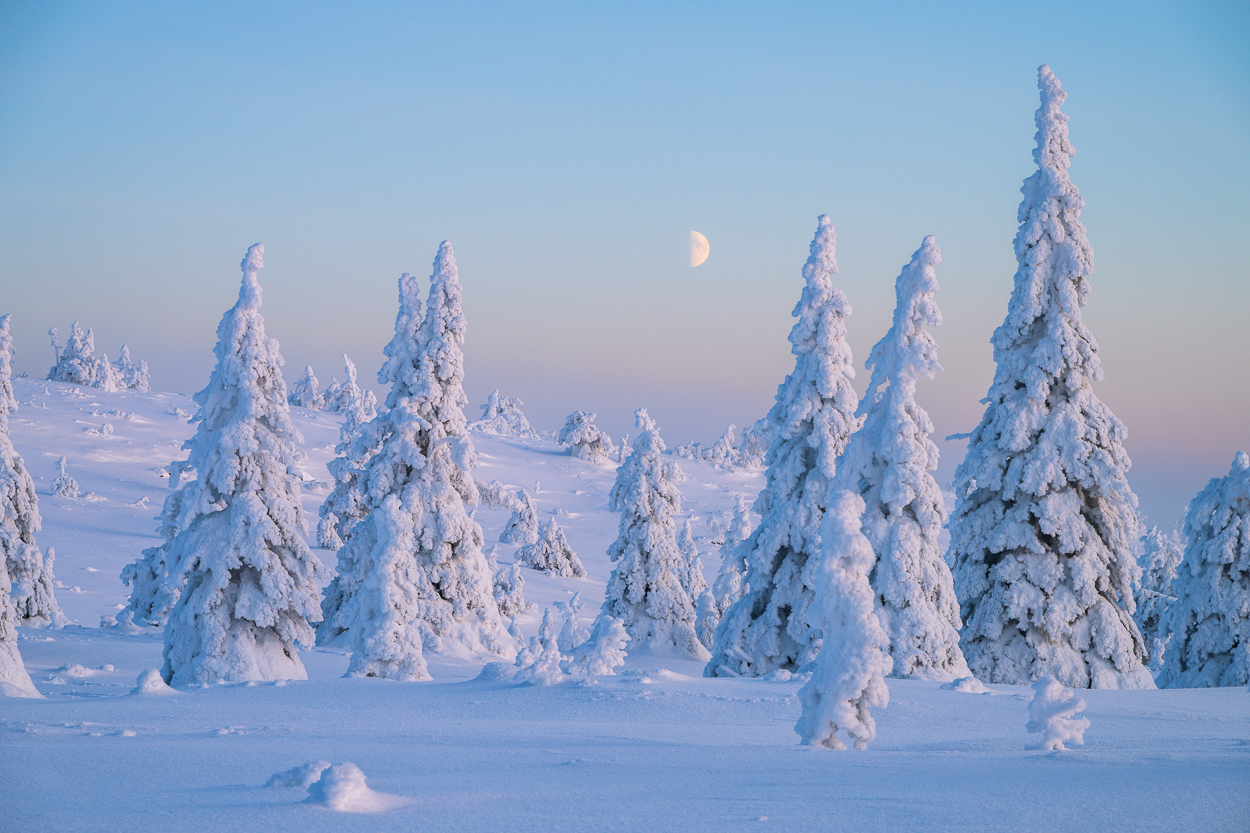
(306, 392)
(691, 575)
(730, 581)
(413, 577)
(646, 590)
(29, 573)
(347, 504)
(1210, 619)
(75, 363)
(134, 376)
(247, 577)
(522, 527)
(551, 553)
(1045, 524)
(584, 439)
(811, 421)
(1161, 556)
(848, 676)
(889, 462)
(107, 378)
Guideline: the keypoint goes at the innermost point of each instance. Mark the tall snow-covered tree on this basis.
(889, 462)
(1210, 619)
(1045, 523)
(584, 439)
(849, 674)
(1160, 557)
(646, 590)
(75, 362)
(414, 577)
(134, 375)
(247, 578)
(306, 392)
(29, 572)
(811, 421)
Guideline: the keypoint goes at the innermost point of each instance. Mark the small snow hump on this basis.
(1053, 713)
(151, 684)
(342, 787)
(302, 776)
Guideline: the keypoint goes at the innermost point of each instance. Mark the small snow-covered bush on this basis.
(551, 553)
(1053, 711)
(522, 527)
(584, 439)
(306, 392)
(133, 375)
(502, 415)
(75, 363)
(342, 787)
(563, 651)
(492, 494)
(107, 378)
(64, 485)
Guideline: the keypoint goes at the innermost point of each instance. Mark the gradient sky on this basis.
(567, 149)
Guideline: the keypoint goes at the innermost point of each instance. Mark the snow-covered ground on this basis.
(656, 747)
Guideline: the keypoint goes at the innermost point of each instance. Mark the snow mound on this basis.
(303, 776)
(968, 685)
(1053, 713)
(342, 787)
(151, 684)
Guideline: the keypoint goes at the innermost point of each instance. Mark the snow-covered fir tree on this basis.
(584, 439)
(811, 421)
(889, 462)
(247, 579)
(64, 485)
(1045, 524)
(14, 679)
(107, 378)
(1160, 557)
(413, 577)
(691, 575)
(509, 589)
(152, 591)
(133, 375)
(551, 553)
(502, 415)
(346, 504)
(357, 405)
(1209, 622)
(306, 392)
(75, 362)
(730, 581)
(29, 572)
(848, 677)
(522, 527)
(645, 590)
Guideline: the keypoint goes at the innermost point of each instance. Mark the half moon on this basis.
(699, 249)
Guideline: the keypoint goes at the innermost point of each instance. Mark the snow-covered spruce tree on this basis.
(75, 363)
(415, 577)
(1160, 557)
(502, 415)
(753, 446)
(811, 420)
(1210, 619)
(306, 392)
(64, 485)
(247, 578)
(645, 590)
(1045, 523)
(849, 673)
(889, 462)
(551, 553)
(691, 575)
(346, 504)
(522, 527)
(730, 581)
(29, 572)
(14, 680)
(509, 590)
(133, 375)
(107, 378)
(152, 592)
(584, 439)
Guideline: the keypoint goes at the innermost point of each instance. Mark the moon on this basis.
(699, 249)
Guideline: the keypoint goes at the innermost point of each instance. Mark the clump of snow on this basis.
(502, 416)
(64, 485)
(551, 553)
(151, 684)
(968, 685)
(848, 677)
(584, 439)
(301, 777)
(1052, 712)
(342, 787)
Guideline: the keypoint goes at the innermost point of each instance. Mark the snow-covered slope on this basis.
(658, 747)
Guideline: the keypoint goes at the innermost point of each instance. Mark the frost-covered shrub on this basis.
(492, 494)
(502, 415)
(1161, 555)
(731, 451)
(539, 662)
(1045, 525)
(1210, 620)
(1052, 712)
(107, 378)
(812, 419)
(247, 579)
(306, 392)
(29, 579)
(132, 375)
(603, 651)
(75, 363)
(720, 452)
(646, 588)
(889, 462)
(551, 553)
(584, 439)
(64, 485)
(152, 590)
(522, 527)
(691, 573)
(849, 673)
(413, 577)
(509, 590)
(563, 651)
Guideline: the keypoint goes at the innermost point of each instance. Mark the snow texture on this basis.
(306, 392)
(64, 485)
(502, 416)
(584, 439)
(247, 578)
(29, 581)
(1160, 557)
(1045, 525)
(890, 462)
(811, 421)
(1210, 620)
(1052, 712)
(848, 677)
(647, 590)
(413, 577)
(522, 527)
(551, 553)
(342, 787)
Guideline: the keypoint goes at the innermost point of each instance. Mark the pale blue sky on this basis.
(567, 150)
